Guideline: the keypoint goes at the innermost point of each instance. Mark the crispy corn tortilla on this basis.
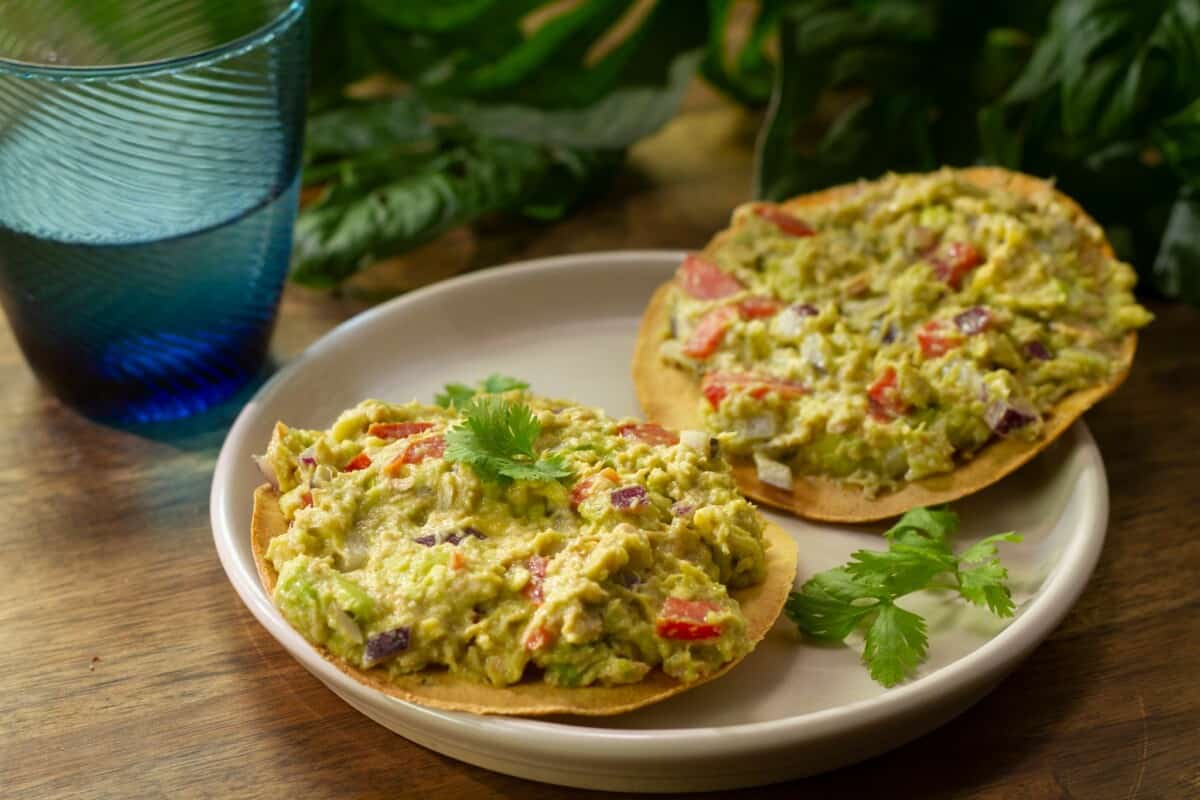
(761, 605)
(672, 397)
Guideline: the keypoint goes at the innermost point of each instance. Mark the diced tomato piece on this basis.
(685, 620)
(758, 307)
(790, 225)
(714, 391)
(708, 335)
(398, 430)
(716, 386)
(884, 398)
(686, 631)
(539, 638)
(704, 280)
(421, 449)
(360, 461)
(537, 574)
(648, 432)
(937, 339)
(695, 610)
(417, 451)
(584, 487)
(955, 262)
(306, 500)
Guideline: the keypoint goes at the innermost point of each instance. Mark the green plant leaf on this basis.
(612, 123)
(362, 127)
(1177, 267)
(749, 75)
(334, 239)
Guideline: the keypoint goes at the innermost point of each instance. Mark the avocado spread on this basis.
(398, 558)
(878, 338)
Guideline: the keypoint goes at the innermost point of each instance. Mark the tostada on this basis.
(503, 553)
(890, 344)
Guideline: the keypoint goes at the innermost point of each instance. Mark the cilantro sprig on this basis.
(862, 594)
(458, 395)
(496, 437)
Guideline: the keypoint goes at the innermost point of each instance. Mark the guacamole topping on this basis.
(885, 336)
(398, 558)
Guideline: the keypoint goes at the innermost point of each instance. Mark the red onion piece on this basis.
(1004, 417)
(465, 533)
(428, 540)
(383, 646)
(973, 320)
(682, 509)
(628, 497)
(806, 310)
(308, 458)
(1037, 351)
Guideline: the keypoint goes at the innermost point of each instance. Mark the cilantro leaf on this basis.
(901, 569)
(986, 549)
(831, 605)
(496, 438)
(984, 584)
(896, 643)
(457, 395)
(497, 383)
(861, 595)
(936, 524)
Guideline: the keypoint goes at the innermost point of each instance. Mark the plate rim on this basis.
(1060, 589)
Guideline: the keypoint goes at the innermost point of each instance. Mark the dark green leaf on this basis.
(749, 75)
(333, 240)
(611, 123)
(443, 15)
(1177, 267)
(1178, 138)
(1090, 92)
(364, 126)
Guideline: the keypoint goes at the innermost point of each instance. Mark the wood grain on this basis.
(106, 552)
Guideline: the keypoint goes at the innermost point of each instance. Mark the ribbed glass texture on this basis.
(149, 152)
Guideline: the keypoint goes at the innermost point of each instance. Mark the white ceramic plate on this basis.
(791, 709)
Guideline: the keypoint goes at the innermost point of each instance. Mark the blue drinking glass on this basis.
(149, 162)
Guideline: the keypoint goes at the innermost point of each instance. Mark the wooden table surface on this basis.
(129, 668)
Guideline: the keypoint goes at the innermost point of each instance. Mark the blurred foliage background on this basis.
(429, 115)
